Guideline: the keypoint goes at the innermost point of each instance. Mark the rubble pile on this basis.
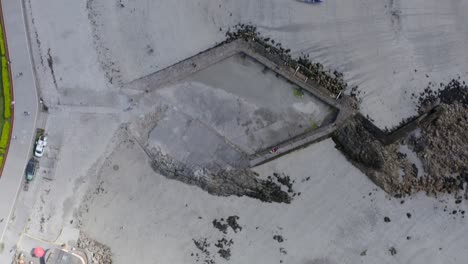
(97, 252)
(441, 146)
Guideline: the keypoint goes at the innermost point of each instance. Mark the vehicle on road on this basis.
(41, 143)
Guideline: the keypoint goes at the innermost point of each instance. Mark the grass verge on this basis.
(6, 89)
(5, 100)
(5, 135)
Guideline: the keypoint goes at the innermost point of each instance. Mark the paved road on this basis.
(25, 94)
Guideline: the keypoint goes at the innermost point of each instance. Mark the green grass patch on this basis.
(5, 101)
(2, 104)
(313, 125)
(5, 135)
(6, 89)
(298, 92)
(39, 133)
(2, 43)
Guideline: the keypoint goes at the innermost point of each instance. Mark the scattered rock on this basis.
(202, 245)
(386, 219)
(284, 180)
(222, 225)
(283, 251)
(232, 222)
(224, 247)
(225, 253)
(278, 238)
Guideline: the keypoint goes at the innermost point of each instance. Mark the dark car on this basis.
(31, 169)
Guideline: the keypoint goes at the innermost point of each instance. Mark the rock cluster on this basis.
(454, 92)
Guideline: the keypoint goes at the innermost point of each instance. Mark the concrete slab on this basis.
(192, 142)
(236, 104)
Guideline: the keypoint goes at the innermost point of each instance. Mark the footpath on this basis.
(25, 94)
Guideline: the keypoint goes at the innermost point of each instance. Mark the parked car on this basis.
(41, 143)
(31, 169)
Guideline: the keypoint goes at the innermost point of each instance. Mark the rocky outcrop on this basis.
(441, 144)
(359, 145)
(222, 182)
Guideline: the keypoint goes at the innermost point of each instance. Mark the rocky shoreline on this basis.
(441, 147)
(224, 182)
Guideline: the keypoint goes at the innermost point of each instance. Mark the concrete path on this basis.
(25, 95)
